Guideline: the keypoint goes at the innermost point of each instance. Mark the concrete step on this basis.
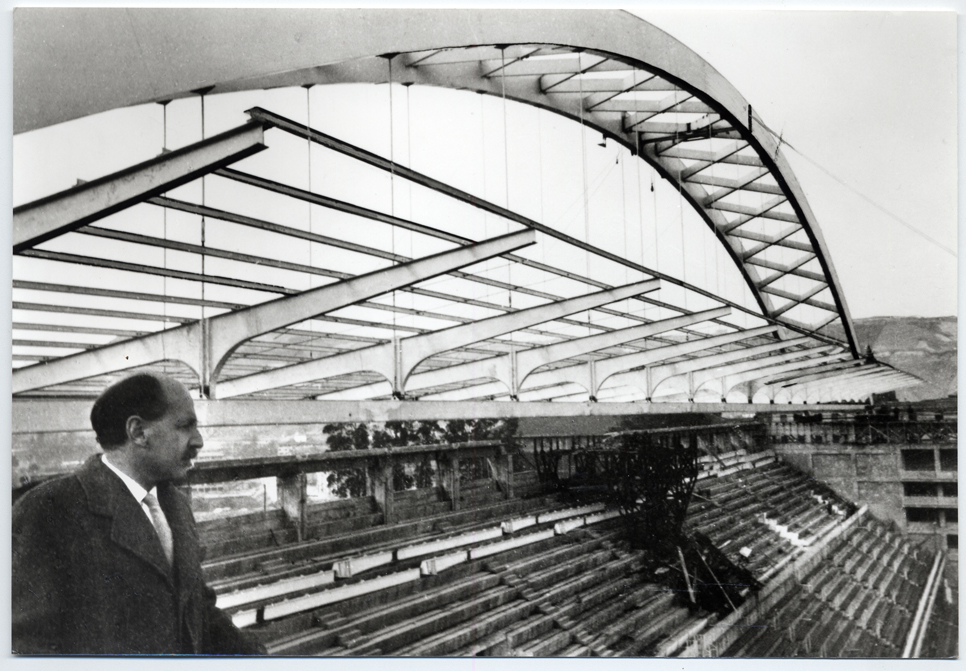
(311, 640)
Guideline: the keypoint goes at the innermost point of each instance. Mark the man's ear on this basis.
(136, 433)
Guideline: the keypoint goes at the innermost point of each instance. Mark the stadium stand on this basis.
(553, 575)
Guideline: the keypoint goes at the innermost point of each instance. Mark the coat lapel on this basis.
(186, 549)
(130, 527)
(187, 554)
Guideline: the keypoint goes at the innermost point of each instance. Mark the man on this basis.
(106, 561)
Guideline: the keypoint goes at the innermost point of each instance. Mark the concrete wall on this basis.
(873, 475)
(864, 474)
(42, 454)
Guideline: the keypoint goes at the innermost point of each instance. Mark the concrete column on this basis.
(380, 483)
(291, 494)
(449, 477)
(501, 466)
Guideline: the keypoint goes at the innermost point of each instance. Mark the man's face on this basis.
(173, 441)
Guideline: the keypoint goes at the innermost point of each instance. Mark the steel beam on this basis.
(805, 298)
(69, 210)
(396, 360)
(591, 86)
(68, 55)
(374, 215)
(356, 210)
(206, 345)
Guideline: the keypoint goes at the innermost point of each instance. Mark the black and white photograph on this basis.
(484, 332)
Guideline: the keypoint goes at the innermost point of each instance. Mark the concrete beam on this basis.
(846, 381)
(851, 379)
(734, 374)
(863, 388)
(703, 377)
(396, 360)
(882, 387)
(759, 377)
(594, 374)
(605, 369)
(68, 210)
(241, 326)
(223, 333)
(891, 384)
(832, 371)
(508, 379)
(716, 362)
(530, 360)
(843, 394)
(501, 368)
(417, 349)
(182, 343)
(32, 417)
(826, 381)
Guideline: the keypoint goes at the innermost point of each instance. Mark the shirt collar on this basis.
(137, 491)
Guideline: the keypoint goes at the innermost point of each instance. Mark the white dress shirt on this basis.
(137, 491)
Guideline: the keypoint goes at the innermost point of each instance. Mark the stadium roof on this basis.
(418, 284)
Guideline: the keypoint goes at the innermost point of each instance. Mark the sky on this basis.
(868, 97)
(871, 98)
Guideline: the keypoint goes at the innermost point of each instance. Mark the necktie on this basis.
(161, 525)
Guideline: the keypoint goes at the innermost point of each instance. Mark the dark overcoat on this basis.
(89, 575)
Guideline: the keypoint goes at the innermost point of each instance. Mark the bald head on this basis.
(144, 395)
(147, 426)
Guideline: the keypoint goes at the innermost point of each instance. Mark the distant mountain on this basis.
(923, 346)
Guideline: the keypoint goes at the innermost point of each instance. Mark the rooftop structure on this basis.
(193, 260)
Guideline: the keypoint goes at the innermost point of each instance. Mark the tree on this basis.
(347, 482)
(420, 473)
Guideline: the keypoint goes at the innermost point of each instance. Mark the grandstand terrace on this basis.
(545, 571)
